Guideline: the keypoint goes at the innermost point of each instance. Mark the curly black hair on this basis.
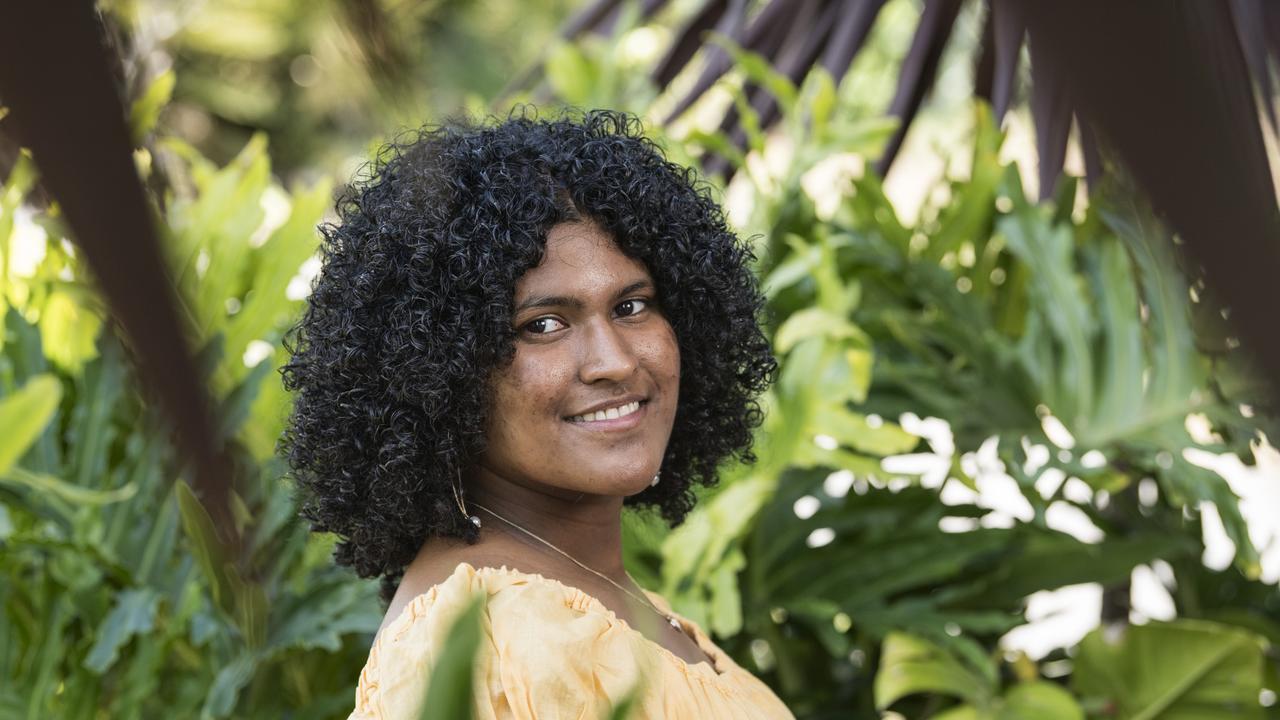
(410, 316)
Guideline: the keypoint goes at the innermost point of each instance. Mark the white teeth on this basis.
(610, 414)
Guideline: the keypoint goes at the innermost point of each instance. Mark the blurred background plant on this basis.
(984, 400)
(114, 604)
(323, 78)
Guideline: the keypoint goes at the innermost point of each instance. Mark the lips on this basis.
(612, 413)
(616, 402)
(617, 417)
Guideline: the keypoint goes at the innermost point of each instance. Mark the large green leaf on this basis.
(1040, 700)
(449, 692)
(815, 322)
(854, 430)
(910, 665)
(701, 557)
(1049, 560)
(1035, 700)
(1183, 670)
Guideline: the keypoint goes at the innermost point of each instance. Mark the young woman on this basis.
(520, 329)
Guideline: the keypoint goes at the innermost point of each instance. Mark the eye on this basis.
(540, 326)
(633, 306)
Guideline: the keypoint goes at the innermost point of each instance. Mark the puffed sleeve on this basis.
(397, 673)
(556, 659)
(541, 655)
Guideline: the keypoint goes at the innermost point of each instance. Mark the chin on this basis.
(619, 482)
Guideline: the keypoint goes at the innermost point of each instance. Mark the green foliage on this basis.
(909, 665)
(1002, 317)
(24, 415)
(1205, 670)
(116, 600)
(449, 692)
(320, 77)
(146, 111)
(595, 72)
(996, 314)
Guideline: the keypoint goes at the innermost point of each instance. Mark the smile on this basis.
(613, 413)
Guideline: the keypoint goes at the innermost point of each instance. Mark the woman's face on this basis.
(589, 337)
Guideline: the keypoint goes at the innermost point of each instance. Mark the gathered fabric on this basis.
(550, 651)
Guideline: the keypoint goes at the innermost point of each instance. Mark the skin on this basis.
(603, 337)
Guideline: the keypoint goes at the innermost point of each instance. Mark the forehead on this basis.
(580, 257)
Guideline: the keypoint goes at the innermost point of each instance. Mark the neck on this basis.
(587, 527)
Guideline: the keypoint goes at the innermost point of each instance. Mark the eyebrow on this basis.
(573, 302)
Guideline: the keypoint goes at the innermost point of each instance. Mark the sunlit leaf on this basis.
(68, 331)
(909, 665)
(146, 109)
(1039, 699)
(24, 415)
(853, 430)
(816, 322)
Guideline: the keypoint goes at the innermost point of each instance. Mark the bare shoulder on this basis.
(437, 561)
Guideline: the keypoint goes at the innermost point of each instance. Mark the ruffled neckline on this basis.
(718, 667)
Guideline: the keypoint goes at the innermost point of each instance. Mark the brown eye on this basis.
(540, 325)
(633, 306)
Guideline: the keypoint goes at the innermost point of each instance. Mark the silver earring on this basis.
(655, 478)
(457, 496)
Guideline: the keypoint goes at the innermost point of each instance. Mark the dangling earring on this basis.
(655, 478)
(457, 495)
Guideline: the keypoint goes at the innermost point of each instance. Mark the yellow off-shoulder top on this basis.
(551, 651)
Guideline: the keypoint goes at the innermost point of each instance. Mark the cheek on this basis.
(531, 387)
(664, 355)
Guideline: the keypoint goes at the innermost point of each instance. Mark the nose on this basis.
(607, 354)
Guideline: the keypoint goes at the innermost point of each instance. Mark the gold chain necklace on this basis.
(671, 619)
